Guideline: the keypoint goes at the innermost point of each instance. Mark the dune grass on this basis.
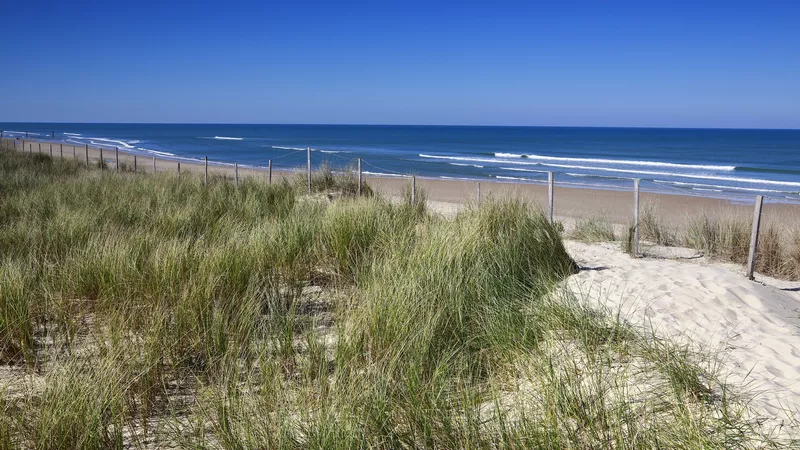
(592, 229)
(151, 311)
(718, 235)
(726, 237)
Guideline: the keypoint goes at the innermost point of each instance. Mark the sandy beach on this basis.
(448, 196)
(753, 327)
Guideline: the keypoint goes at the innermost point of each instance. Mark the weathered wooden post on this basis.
(636, 217)
(550, 183)
(134, 164)
(40, 147)
(87, 155)
(154, 164)
(74, 152)
(51, 150)
(269, 166)
(360, 177)
(751, 259)
(116, 159)
(413, 190)
(61, 150)
(179, 170)
(236, 173)
(102, 162)
(309, 169)
(205, 177)
(478, 194)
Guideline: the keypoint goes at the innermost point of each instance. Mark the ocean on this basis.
(728, 163)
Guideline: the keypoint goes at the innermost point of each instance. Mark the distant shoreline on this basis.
(449, 195)
(727, 164)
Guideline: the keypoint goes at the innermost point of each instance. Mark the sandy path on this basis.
(756, 325)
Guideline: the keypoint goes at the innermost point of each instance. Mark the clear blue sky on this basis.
(724, 64)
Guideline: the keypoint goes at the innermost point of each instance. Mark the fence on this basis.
(21, 144)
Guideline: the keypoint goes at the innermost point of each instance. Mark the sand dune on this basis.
(755, 325)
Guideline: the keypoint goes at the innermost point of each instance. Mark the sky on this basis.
(733, 64)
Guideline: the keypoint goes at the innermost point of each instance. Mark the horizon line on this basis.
(412, 125)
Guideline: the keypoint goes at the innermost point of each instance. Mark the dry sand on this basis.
(756, 326)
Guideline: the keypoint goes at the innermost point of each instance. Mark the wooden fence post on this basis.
(74, 152)
(179, 170)
(413, 189)
(102, 162)
(269, 165)
(134, 164)
(87, 155)
(205, 176)
(360, 177)
(309, 169)
(40, 147)
(61, 150)
(550, 183)
(154, 164)
(478, 194)
(116, 159)
(751, 259)
(51, 150)
(236, 173)
(636, 217)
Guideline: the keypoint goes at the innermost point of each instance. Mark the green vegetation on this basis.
(593, 229)
(147, 311)
(723, 237)
(726, 237)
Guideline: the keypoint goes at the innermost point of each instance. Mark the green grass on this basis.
(146, 310)
(592, 229)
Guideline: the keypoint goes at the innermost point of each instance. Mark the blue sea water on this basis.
(713, 162)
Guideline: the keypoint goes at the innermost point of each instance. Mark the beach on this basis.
(715, 163)
(449, 195)
(736, 341)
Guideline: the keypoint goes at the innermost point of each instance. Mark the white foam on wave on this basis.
(668, 174)
(501, 177)
(381, 174)
(541, 161)
(334, 151)
(22, 132)
(227, 138)
(623, 162)
(155, 152)
(73, 134)
(700, 186)
(287, 148)
(466, 165)
(113, 141)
